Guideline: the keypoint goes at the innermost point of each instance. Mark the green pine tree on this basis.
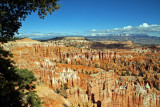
(16, 85)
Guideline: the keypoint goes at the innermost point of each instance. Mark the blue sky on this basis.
(96, 17)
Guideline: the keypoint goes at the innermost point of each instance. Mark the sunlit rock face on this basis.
(88, 77)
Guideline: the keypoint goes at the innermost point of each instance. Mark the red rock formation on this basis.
(92, 77)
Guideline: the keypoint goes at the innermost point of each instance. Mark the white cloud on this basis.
(93, 34)
(35, 35)
(144, 28)
(144, 25)
(127, 27)
(93, 30)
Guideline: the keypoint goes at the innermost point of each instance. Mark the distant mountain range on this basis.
(135, 38)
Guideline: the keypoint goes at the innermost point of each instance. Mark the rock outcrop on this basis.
(90, 77)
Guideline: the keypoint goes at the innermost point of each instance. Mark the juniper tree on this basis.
(17, 86)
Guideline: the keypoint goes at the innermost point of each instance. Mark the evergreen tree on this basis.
(16, 85)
